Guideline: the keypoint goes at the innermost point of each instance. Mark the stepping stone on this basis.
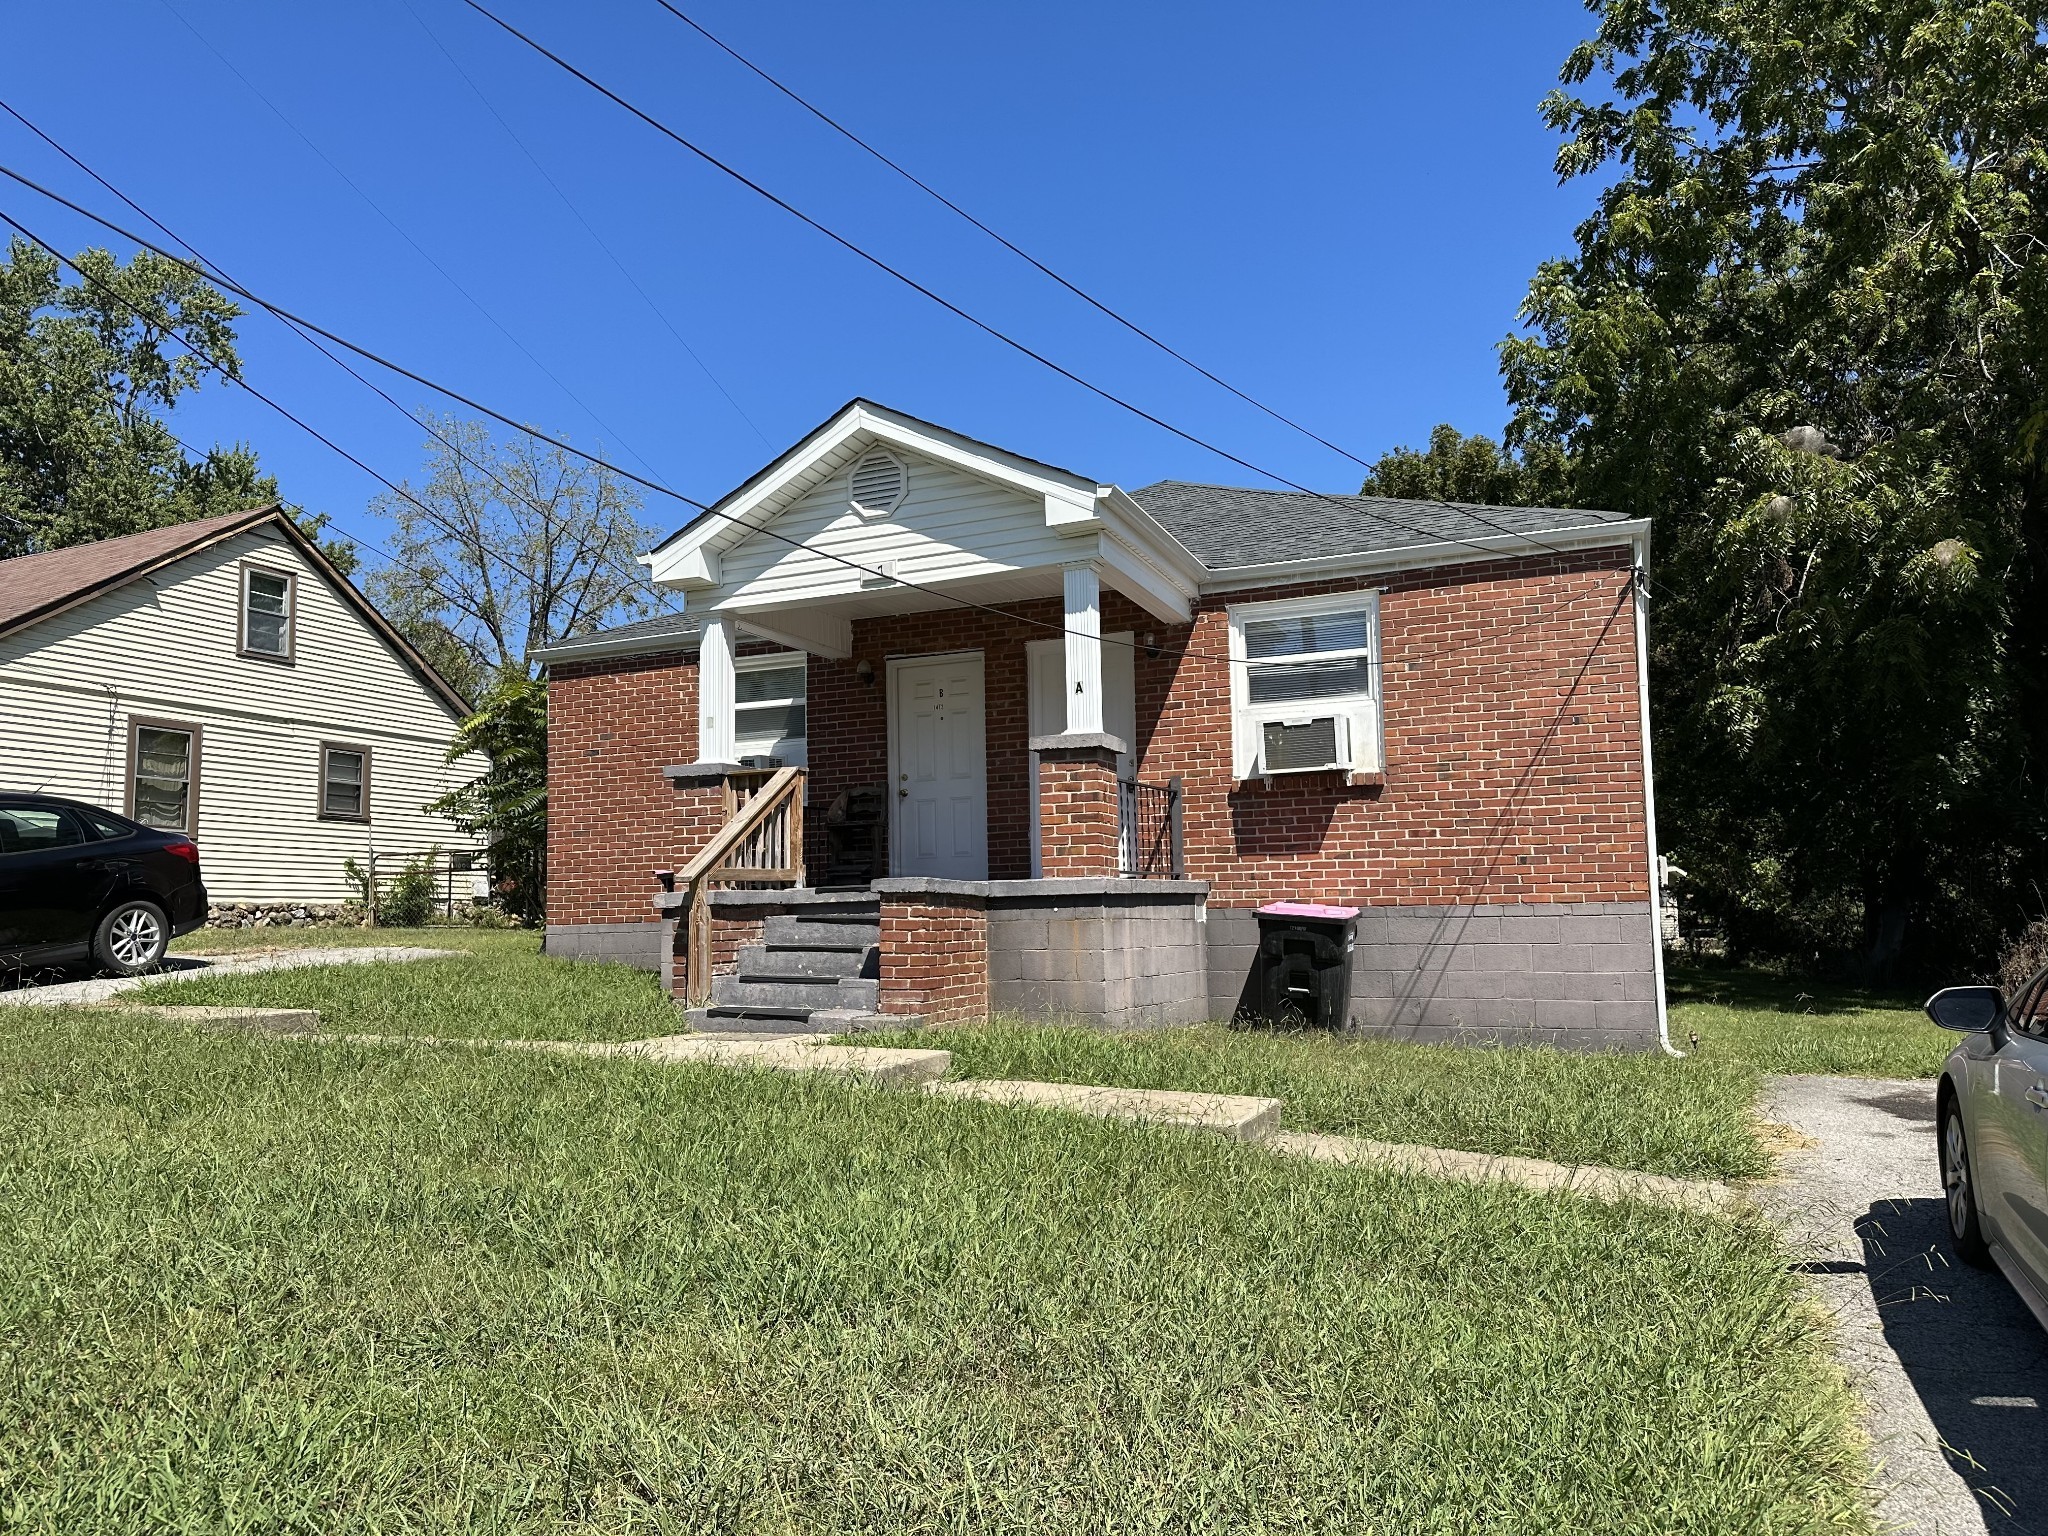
(1225, 1114)
(865, 1062)
(1610, 1184)
(268, 1021)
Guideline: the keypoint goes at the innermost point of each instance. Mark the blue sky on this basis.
(1336, 206)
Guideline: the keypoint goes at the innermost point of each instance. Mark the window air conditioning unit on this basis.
(760, 762)
(1304, 746)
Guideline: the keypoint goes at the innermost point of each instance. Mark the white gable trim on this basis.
(690, 560)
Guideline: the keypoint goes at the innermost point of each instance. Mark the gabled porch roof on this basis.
(790, 555)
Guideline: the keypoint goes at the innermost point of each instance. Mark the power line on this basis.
(499, 416)
(308, 428)
(588, 228)
(974, 320)
(1003, 240)
(322, 348)
(426, 256)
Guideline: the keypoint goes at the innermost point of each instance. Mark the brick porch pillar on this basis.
(1079, 824)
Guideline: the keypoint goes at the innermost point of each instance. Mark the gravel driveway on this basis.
(1951, 1367)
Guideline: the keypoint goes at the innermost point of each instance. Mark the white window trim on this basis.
(1362, 740)
(769, 663)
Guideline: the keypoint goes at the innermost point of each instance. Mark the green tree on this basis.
(1806, 330)
(508, 802)
(86, 369)
(1470, 469)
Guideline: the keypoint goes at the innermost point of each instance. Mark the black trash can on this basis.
(1302, 977)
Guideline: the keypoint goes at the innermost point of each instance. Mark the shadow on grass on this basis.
(1739, 986)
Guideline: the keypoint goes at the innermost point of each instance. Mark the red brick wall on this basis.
(1513, 748)
(934, 957)
(1513, 758)
(1077, 810)
(613, 820)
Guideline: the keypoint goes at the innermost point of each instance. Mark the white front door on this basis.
(939, 758)
(1047, 667)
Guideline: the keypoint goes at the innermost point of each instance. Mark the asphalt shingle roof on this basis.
(1226, 525)
(31, 585)
(677, 626)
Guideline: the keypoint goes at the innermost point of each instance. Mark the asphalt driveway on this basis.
(1951, 1367)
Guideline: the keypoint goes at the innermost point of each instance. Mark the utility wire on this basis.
(588, 228)
(974, 320)
(377, 208)
(1004, 241)
(210, 362)
(455, 448)
(656, 486)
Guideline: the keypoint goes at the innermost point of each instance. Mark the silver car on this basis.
(1992, 1110)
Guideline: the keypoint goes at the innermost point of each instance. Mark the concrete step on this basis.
(788, 992)
(864, 1063)
(751, 1021)
(805, 960)
(825, 928)
(1237, 1116)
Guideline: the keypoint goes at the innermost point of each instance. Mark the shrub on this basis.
(2025, 956)
(409, 900)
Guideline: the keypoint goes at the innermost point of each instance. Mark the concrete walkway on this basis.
(1951, 1368)
(186, 967)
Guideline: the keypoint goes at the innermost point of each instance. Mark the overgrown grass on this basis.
(1780, 1024)
(502, 988)
(286, 1287)
(1627, 1111)
(222, 941)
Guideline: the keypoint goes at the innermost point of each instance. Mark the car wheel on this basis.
(1959, 1189)
(132, 938)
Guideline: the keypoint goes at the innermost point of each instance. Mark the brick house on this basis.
(946, 729)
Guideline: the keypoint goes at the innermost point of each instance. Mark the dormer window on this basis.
(269, 599)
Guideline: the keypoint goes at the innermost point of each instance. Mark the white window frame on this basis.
(1361, 743)
(250, 570)
(793, 750)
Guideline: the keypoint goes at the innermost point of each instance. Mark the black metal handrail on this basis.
(1149, 825)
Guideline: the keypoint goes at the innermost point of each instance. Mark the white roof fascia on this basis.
(1144, 580)
(1416, 556)
(1153, 536)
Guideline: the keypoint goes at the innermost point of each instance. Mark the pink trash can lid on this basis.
(1307, 909)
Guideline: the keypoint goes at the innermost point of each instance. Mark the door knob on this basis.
(902, 794)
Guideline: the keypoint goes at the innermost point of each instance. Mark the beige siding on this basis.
(165, 648)
(951, 525)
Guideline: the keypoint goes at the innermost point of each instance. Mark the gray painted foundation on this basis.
(640, 945)
(1576, 974)
(1126, 961)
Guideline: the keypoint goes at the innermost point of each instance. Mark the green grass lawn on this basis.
(1779, 1024)
(483, 941)
(500, 987)
(1628, 1111)
(254, 1285)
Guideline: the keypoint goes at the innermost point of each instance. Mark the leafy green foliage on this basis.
(508, 802)
(298, 1287)
(1806, 330)
(86, 371)
(410, 900)
(1470, 469)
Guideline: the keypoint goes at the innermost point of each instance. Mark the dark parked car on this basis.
(78, 883)
(1993, 1112)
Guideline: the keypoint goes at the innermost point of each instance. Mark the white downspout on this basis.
(1641, 580)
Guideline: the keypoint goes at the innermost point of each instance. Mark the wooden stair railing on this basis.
(761, 843)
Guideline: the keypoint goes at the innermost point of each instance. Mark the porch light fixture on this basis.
(865, 671)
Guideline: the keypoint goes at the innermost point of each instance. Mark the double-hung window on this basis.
(266, 623)
(1305, 685)
(768, 708)
(344, 783)
(163, 774)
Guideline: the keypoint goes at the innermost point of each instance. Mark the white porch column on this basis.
(715, 691)
(1084, 651)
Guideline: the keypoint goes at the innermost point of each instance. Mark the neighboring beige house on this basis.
(222, 678)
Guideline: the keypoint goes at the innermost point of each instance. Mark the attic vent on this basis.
(878, 482)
